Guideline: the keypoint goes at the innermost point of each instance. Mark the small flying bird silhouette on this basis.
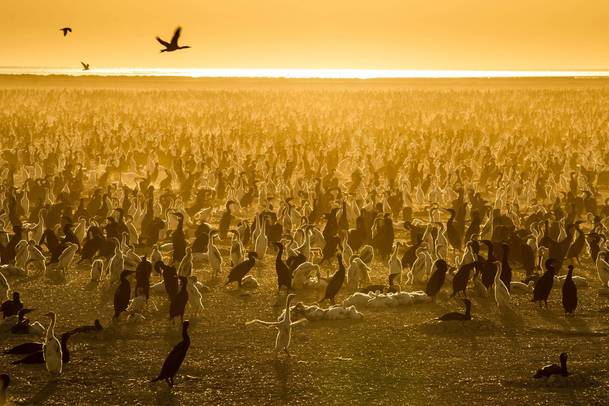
(85, 66)
(173, 45)
(65, 30)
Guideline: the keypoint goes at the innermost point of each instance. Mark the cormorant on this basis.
(455, 316)
(175, 358)
(173, 45)
(240, 270)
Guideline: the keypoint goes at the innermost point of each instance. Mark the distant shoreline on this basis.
(185, 82)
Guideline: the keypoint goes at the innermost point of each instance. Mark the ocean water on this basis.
(303, 73)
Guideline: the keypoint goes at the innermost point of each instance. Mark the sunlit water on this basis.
(302, 73)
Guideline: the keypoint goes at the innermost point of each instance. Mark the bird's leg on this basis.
(287, 352)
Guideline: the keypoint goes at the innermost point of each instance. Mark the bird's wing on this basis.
(84, 65)
(164, 43)
(264, 323)
(176, 36)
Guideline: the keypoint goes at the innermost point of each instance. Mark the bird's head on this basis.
(563, 357)
(50, 315)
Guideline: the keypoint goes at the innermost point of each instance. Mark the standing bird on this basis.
(502, 294)
(177, 304)
(283, 326)
(336, 281)
(436, 280)
(543, 286)
(506, 270)
(65, 30)
(456, 316)
(240, 270)
(569, 293)
(553, 369)
(175, 358)
(122, 294)
(173, 45)
(213, 254)
(53, 356)
(461, 278)
(85, 66)
(284, 277)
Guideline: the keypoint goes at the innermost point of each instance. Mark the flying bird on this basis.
(65, 30)
(173, 45)
(85, 66)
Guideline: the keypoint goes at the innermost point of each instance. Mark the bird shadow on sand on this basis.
(474, 327)
(44, 394)
(283, 370)
(510, 319)
(577, 325)
(165, 396)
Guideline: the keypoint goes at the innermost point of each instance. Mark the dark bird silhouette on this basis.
(461, 278)
(336, 281)
(25, 348)
(177, 304)
(456, 316)
(65, 30)
(85, 66)
(170, 278)
(122, 294)
(11, 307)
(38, 356)
(142, 276)
(240, 270)
(436, 280)
(553, 369)
(23, 323)
(88, 328)
(175, 358)
(284, 277)
(544, 284)
(569, 292)
(173, 45)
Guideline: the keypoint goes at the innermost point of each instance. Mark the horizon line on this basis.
(306, 73)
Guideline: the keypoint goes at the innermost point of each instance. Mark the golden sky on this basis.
(324, 34)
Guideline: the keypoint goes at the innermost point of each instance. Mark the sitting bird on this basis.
(456, 316)
(553, 369)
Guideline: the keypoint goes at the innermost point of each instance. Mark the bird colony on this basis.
(312, 244)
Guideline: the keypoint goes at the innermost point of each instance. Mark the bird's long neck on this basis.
(185, 336)
(563, 366)
(288, 316)
(51, 330)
